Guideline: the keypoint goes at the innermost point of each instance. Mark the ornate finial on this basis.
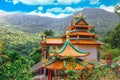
(67, 34)
(79, 15)
(43, 37)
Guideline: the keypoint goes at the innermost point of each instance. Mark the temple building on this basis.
(80, 36)
(77, 44)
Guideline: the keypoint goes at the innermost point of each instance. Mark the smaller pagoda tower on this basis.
(83, 39)
(68, 58)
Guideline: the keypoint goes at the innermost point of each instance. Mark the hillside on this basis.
(18, 40)
(21, 32)
(101, 19)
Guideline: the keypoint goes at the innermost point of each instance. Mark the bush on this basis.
(106, 50)
(36, 55)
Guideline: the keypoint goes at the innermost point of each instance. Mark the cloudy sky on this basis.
(54, 8)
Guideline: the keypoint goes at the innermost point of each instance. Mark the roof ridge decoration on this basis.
(71, 46)
(69, 43)
(78, 17)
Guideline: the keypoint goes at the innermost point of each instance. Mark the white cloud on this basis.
(94, 1)
(55, 10)
(40, 8)
(68, 1)
(107, 8)
(34, 2)
(2, 12)
(71, 9)
(48, 14)
(66, 10)
(44, 2)
(15, 1)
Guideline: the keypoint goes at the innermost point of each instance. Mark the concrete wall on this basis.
(89, 48)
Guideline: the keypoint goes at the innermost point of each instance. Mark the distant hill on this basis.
(101, 19)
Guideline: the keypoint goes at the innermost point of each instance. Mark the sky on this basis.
(54, 8)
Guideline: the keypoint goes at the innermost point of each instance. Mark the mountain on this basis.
(102, 20)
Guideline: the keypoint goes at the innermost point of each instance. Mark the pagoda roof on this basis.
(69, 50)
(78, 18)
(54, 41)
(64, 64)
(83, 33)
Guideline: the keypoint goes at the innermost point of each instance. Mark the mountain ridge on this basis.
(102, 20)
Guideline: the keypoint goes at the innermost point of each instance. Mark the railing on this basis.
(81, 38)
(70, 38)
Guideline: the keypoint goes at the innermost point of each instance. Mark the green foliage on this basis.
(113, 40)
(93, 30)
(49, 32)
(113, 37)
(15, 67)
(116, 59)
(106, 46)
(13, 55)
(72, 74)
(36, 55)
(106, 50)
(117, 9)
(99, 73)
(18, 40)
(103, 73)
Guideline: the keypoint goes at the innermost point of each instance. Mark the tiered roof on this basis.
(64, 65)
(60, 41)
(64, 58)
(69, 50)
(79, 34)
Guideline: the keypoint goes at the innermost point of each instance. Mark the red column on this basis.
(56, 74)
(64, 76)
(49, 74)
(43, 50)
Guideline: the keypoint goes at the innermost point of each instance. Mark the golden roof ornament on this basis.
(80, 15)
(43, 35)
(67, 34)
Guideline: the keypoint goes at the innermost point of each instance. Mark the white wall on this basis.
(89, 48)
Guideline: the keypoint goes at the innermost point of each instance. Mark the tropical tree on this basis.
(14, 66)
(113, 37)
(36, 55)
(49, 32)
(117, 9)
